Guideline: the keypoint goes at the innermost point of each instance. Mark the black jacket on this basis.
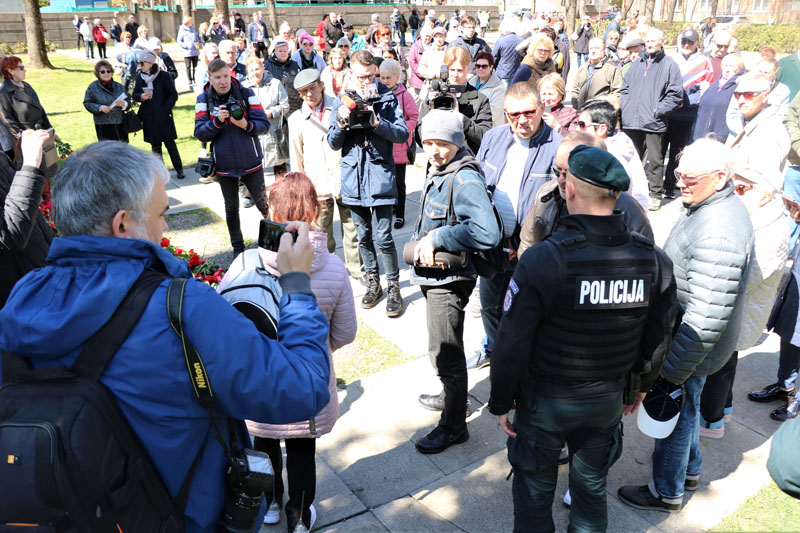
(477, 116)
(22, 109)
(332, 33)
(25, 235)
(286, 72)
(651, 90)
(156, 113)
(414, 20)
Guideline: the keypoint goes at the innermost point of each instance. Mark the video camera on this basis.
(444, 95)
(249, 477)
(361, 116)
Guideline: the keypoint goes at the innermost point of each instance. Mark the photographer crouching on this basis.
(442, 266)
(231, 118)
(365, 122)
(451, 92)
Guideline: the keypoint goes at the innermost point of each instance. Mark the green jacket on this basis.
(792, 123)
(789, 73)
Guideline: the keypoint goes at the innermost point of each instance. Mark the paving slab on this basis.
(407, 514)
(363, 523)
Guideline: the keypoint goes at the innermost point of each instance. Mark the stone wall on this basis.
(58, 27)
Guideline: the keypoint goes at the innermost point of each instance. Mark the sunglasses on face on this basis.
(22, 68)
(559, 172)
(748, 95)
(530, 114)
(482, 65)
(686, 41)
(105, 71)
(690, 181)
(583, 125)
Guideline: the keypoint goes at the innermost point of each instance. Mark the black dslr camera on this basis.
(362, 115)
(444, 95)
(235, 109)
(249, 477)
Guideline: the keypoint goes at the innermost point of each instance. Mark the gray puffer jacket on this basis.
(711, 247)
(97, 96)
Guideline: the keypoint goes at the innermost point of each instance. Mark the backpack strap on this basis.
(98, 351)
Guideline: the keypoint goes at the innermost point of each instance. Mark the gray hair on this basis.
(226, 45)
(658, 33)
(96, 182)
(391, 66)
(754, 81)
(710, 154)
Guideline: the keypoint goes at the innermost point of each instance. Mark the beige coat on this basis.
(606, 83)
(763, 144)
(310, 152)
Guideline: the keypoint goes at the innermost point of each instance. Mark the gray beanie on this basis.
(443, 125)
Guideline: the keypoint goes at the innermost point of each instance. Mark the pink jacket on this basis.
(411, 115)
(330, 282)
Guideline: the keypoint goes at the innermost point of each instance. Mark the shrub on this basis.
(781, 37)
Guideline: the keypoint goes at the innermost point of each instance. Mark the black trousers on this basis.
(717, 395)
(445, 306)
(400, 206)
(230, 194)
(654, 162)
(301, 469)
(679, 135)
(172, 150)
(191, 64)
(101, 50)
(110, 132)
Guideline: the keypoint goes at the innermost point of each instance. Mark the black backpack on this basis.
(70, 460)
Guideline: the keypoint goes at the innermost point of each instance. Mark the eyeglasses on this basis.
(215, 24)
(559, 172)
(105, 71)
(542, 50)
(690, 181)
(530, 114)
(22, 68)
(748, 95)
(482, 65)
(365, 77)
(741, 188)
(346, 46)
(686, 41)
(583, 125)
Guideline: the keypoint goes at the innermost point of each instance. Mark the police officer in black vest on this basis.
(584, 308)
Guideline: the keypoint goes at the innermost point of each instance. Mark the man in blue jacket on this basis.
(235, 147)
(368, 175)
(651, 90)
(517, 158)
(109, 236)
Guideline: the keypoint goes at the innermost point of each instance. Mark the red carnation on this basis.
(164, 242)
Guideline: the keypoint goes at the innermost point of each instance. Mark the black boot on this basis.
(374, 292)
(394, 301)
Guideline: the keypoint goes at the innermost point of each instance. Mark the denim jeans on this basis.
(445, 306)
(788, 364)
(362, 216)
(679, 454)
(581, 58)
(591, 427)
(492, 293)
(791, 188)
(413, 35)
(717, 398)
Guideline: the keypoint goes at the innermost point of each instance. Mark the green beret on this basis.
(598, 167)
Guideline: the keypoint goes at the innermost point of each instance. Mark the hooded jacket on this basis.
(651, 90)
(236, 151)
(331, 285)
(506, 59)
(473, 46)
(494, 90)
(476, 227)
(368, 177)
(252, 376)
(711, 247)
(285, 72)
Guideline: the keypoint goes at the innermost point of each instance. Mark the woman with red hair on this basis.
(18, 101)
(293, 197)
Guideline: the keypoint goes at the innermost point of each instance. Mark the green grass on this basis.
(61, 92)
(769, 510)
(368, 354)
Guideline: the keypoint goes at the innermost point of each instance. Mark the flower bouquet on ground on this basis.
(46, 207)
(202, 269)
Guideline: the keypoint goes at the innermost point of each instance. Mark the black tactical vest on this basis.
(594, 333)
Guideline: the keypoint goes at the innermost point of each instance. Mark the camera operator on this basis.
(231, 118)
(457, 95)
(454, 179)
(364, 125)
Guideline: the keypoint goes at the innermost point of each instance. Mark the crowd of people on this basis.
(536, 196)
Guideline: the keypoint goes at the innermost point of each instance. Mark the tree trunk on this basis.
(626, 7)
(34, 33)
(221, 8)
(186, 9)
(272, 19)
(714, 5)
(649, 8)
(571, 15)
(673, 5)
(533, 6)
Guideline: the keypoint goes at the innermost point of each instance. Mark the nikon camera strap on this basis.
(194, 364)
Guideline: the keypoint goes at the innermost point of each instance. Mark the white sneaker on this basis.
(301, 528)
(273, 515)
(567, 499)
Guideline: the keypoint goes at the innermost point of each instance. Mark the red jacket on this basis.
(97, 32)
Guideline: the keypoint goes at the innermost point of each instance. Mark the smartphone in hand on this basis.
(270, 233)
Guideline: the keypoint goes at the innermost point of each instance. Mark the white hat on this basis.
(660, 409)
